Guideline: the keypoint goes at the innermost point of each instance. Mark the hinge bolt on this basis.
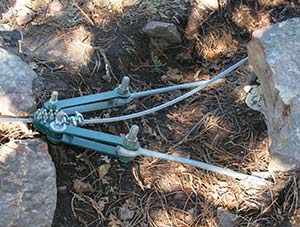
(131, 138)
(124, 86)
(60, 118)
(59, 125)
(54, 97)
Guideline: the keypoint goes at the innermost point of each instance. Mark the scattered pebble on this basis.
(82, 187)
(103, 170)
(25, 18)
(56, 6)
(226, 219)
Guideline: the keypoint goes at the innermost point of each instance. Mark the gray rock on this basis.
(21, 11)
(56, 6)
(72, 49)
(27, 184)
(24, 16)
(162, 33)
(274, 54)
(225, 218)
(16, 79)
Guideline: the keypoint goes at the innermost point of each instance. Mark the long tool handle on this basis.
(202, 165)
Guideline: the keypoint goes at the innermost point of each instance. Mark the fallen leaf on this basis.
(81, 187)
(103, 170)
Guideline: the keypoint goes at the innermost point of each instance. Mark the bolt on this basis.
(39, 114)
(54, 97)
(60, 118)
(131, 138)
(134, 130)
(59, 125)
(124, 86)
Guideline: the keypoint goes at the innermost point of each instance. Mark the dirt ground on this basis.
(214, 126)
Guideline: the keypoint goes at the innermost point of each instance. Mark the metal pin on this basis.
(54, 97)
(59, 125)
(132, 135)
(60, 118)
(125, 82)
(131, 138)
(38, 114)
(124, 86)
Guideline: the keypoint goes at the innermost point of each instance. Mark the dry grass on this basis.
(216, 43)
(246, 18)
(14, 131)
(272, 3)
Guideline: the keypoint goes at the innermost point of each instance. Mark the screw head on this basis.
(131, 138)
(59, 125)
(134, 130)
(124, 86)
(54, 97)
(60, 118)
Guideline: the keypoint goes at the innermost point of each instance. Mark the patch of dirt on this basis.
(214, 126)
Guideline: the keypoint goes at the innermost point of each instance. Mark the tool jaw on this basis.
(60, 128)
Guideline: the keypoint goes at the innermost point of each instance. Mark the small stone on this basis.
(226, 219)
(24, 16)
(103, 170)
(82, 187)
(162, 32)
(6, 27)
(164, 78)
(24, 19)
(56, 6)
(254, 99)
(126, 213)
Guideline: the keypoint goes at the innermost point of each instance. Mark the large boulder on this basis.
(274, 54)
(16, 78)
(27, 184)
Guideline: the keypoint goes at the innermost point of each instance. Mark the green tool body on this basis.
(53, 121)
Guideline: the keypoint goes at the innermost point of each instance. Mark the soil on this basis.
(214, 126)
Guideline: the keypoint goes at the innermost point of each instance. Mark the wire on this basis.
(140, 94)
(167, 104)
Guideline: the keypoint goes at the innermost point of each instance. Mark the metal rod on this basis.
(156, 91)
(167, 104)
(202, 165)
(18, 119)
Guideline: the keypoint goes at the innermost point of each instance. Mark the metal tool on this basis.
(59, 120)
